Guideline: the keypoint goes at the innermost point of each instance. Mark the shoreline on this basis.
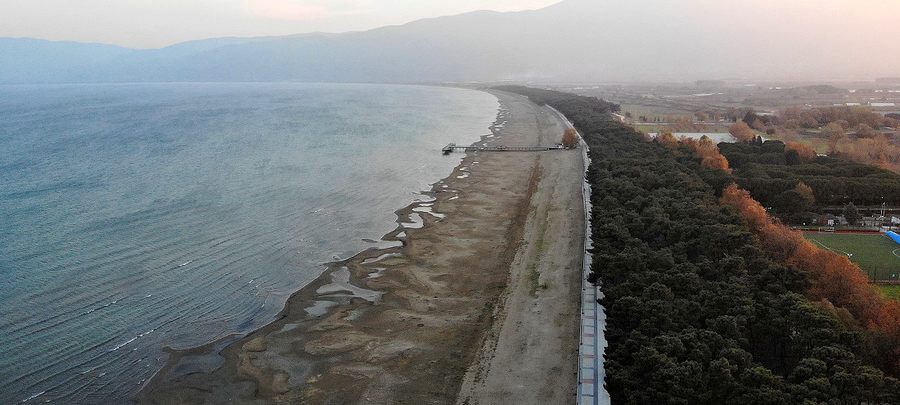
(531, 353)
(377, 326)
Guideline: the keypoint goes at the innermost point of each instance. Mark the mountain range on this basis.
(583, 40)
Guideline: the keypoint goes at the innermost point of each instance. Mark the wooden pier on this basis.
(499, 148)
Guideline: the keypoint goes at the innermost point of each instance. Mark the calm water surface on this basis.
(134, 217)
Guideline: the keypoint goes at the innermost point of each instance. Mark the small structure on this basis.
(894, 236)
(829, 220)
(499, 148)
(875, 221)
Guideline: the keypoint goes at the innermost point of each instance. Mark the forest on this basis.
(796, 185)
(855, 133)
(697, 311)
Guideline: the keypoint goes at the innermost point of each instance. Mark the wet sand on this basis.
(480, 301)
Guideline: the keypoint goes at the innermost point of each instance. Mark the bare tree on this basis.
(833, 132)
(864, 131)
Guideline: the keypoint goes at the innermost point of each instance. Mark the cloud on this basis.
(294, 10)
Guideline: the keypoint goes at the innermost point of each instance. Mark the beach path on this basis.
(530, 354)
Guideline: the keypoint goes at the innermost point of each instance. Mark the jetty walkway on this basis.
(499, 148)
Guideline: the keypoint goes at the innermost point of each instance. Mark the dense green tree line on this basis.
(771, 174)
(696, 312)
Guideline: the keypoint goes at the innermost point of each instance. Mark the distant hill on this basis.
(575, 40)
(481, 45)
(24, 60)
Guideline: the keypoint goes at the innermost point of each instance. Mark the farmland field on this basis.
(874, 253)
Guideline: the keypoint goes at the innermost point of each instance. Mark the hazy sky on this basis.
(606, 39)
(155, 23)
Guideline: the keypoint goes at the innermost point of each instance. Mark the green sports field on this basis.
(892, 291)
(876, 254)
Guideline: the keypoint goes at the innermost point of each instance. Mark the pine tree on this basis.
(851, 214)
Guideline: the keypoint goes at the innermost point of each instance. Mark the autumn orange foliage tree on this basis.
(864, 145)
(705, 148)
(804, 152)
(667, 139)
(570, 138)
(806, 192)
(819, 116)
(834, 278)
(742, 132)
(877, 150)
(708, 152)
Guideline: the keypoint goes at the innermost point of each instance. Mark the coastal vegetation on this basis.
(742, 132)
(839, 285)
(702, 307)
(796, 184)
(570, 137)
(855, 133)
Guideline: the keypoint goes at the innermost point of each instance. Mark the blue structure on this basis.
(893, 235)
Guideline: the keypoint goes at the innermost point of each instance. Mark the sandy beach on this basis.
(476, 302)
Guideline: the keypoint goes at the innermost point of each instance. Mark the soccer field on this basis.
(891, 291)
(876, 254)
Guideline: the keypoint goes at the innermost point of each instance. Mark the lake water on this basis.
(134, 217)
